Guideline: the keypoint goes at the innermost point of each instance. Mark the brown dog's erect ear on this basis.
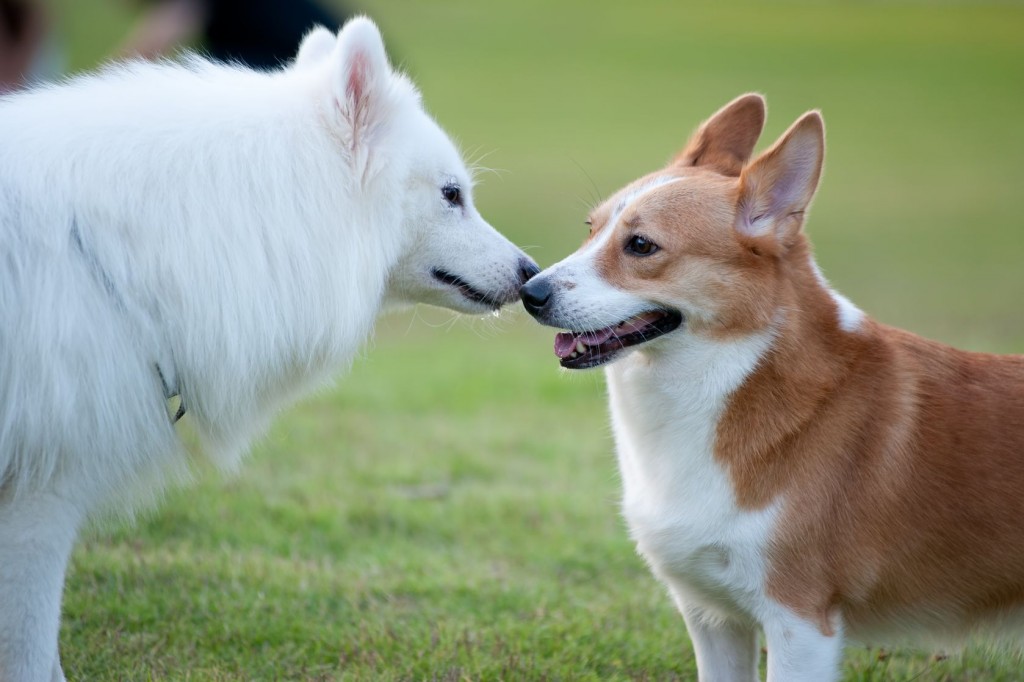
(777, 187)
(726, 140)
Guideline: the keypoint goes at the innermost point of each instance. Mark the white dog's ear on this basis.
(362, 81)
(726, 140)
(777, 187)
(315, 47)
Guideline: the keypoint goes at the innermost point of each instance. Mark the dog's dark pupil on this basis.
(452, 194)
(641, 245)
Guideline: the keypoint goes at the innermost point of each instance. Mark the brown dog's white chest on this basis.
(677, 498)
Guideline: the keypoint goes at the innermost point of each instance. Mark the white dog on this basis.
(206, 231)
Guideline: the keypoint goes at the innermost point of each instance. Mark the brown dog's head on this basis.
(701, 247)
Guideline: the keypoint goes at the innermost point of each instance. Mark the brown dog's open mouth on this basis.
(581, 350)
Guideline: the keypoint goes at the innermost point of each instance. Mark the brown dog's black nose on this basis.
(527, 269)
(535, 294)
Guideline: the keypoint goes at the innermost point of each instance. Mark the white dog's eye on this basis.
(452, 194)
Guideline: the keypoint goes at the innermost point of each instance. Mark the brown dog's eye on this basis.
(640, 246)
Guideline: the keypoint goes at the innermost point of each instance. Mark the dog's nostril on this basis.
(527, 269)
(535, 294)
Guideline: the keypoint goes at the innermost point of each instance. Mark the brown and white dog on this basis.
(788, 463)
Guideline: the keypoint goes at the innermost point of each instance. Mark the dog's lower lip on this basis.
(468, 292)
(662, 322)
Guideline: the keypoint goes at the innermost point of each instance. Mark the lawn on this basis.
(448, 511)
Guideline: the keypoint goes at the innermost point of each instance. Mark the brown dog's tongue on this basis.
(565, 343)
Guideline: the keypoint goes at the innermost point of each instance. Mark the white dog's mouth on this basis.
(581, 350)
(468, 291)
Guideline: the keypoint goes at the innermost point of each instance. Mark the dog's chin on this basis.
(587, 349)
(455, 293)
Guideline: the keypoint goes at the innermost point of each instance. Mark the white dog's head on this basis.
(444, 254)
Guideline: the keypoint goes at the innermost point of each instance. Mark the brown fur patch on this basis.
(900, 462)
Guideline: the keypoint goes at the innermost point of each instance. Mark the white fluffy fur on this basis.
(238, 230)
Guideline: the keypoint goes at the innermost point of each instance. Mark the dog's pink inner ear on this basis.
(725, 141)
(777, 187)
(360, 85)
(363, 67)
(358, 74)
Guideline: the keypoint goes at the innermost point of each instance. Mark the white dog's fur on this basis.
(209, 231)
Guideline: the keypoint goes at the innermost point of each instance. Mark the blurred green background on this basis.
(449, 510)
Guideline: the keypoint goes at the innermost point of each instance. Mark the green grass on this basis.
(449, 510)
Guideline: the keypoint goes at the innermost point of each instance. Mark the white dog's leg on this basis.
(58, 672)
(725, 651)
(36, 537)
(798, 651)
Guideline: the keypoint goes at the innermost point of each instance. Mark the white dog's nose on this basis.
(527, 269)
